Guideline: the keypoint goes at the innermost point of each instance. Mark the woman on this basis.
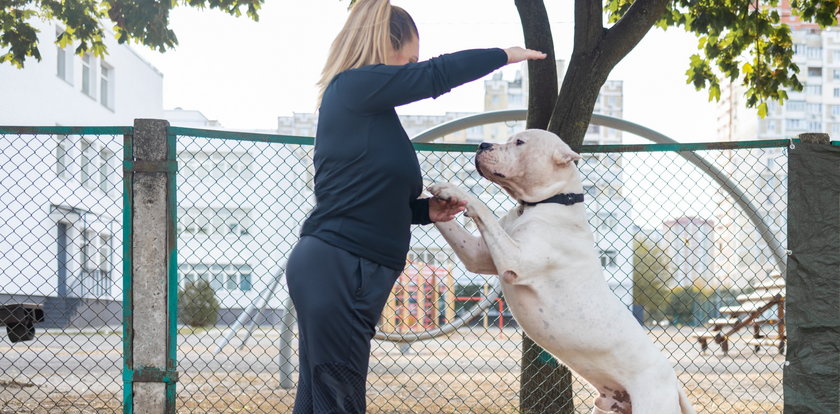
(367, 183)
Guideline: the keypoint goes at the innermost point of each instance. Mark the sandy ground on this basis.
(472, 371)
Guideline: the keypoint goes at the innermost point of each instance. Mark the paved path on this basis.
(471, 371)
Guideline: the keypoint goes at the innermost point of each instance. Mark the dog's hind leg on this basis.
(612, 401)
(653, 397)
(596, 410)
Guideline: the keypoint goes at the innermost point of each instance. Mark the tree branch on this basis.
(630, 29)
(589, 24)
(542, 74)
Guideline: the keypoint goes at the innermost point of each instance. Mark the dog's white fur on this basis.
(552, 279)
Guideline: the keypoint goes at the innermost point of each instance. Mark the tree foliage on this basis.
(651, 277)
(738, 40)
(84, 22)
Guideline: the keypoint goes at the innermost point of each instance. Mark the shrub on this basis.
(197, 304)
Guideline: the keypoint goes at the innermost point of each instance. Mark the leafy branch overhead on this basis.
(84, 23)
(739, 40)
(742, 40)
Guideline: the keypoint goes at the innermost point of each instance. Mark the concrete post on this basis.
(151, 250)
(812, 363)
(287, 326)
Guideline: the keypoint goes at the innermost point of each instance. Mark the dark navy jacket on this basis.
(367, 177)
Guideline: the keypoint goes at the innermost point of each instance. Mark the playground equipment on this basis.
(422, 298)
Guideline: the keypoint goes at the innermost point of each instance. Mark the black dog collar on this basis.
(565, 199)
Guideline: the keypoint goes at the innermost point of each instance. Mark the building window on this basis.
(815, 108)
(435, 258)
(231, 277)
(96, 265)
(232, 165)
(106, 184)
(814, 90)
(813, 52)
(815, 72)
(793, 124)
(62, 156)
(835, 73)
(837, 92)
(64, 60)
(216, 221)
(835, 110)
(90, 165)
(836, 55)
(815, 126)
(796, 106)
(87, 75)
(106, 85)
(608, 258)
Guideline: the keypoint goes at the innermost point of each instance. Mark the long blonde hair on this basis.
(372, 31)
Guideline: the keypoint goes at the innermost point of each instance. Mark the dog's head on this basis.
(532, 166)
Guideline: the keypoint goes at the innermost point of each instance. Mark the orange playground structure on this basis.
(423, 298)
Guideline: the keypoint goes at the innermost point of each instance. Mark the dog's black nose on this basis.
(484, 146)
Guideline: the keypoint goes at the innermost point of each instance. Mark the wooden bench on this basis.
(749, 313)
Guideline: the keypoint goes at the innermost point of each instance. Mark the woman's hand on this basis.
(518, 54)
(444, 210)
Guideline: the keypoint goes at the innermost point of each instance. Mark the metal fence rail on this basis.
(671, 240)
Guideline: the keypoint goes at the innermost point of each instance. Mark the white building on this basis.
(60, 195)
(689, 243)
(190, 118)
(241, 204)
(66, 89)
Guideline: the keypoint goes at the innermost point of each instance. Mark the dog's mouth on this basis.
(481, 173)
(478, 166)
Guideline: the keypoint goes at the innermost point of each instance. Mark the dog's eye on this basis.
(519, 142)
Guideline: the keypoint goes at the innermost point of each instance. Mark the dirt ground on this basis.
(472, 371)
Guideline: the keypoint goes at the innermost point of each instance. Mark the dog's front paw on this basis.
(448, 192)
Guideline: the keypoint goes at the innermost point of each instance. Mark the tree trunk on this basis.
(576, 101)
(546, 386)
(542, 74)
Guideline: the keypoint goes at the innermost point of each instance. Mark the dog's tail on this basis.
(685, 405)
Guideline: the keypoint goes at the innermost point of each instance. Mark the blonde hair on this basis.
(372, 31)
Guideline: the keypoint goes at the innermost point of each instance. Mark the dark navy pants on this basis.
(339, 299)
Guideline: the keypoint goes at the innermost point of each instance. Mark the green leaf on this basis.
(747, 68)
(714, 93)
(762, 110)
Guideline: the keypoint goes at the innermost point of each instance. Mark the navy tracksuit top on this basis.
(367, 177)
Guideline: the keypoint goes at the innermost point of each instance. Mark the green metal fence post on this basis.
(150, 373)
(812, 367)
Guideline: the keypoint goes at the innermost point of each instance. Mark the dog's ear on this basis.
(564, 156)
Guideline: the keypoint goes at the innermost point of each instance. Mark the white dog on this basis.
(551, 275)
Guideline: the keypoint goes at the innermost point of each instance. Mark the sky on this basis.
(245, 74)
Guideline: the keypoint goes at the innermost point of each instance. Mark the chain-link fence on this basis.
(677, 248)
(674, 245)
(60, 251)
